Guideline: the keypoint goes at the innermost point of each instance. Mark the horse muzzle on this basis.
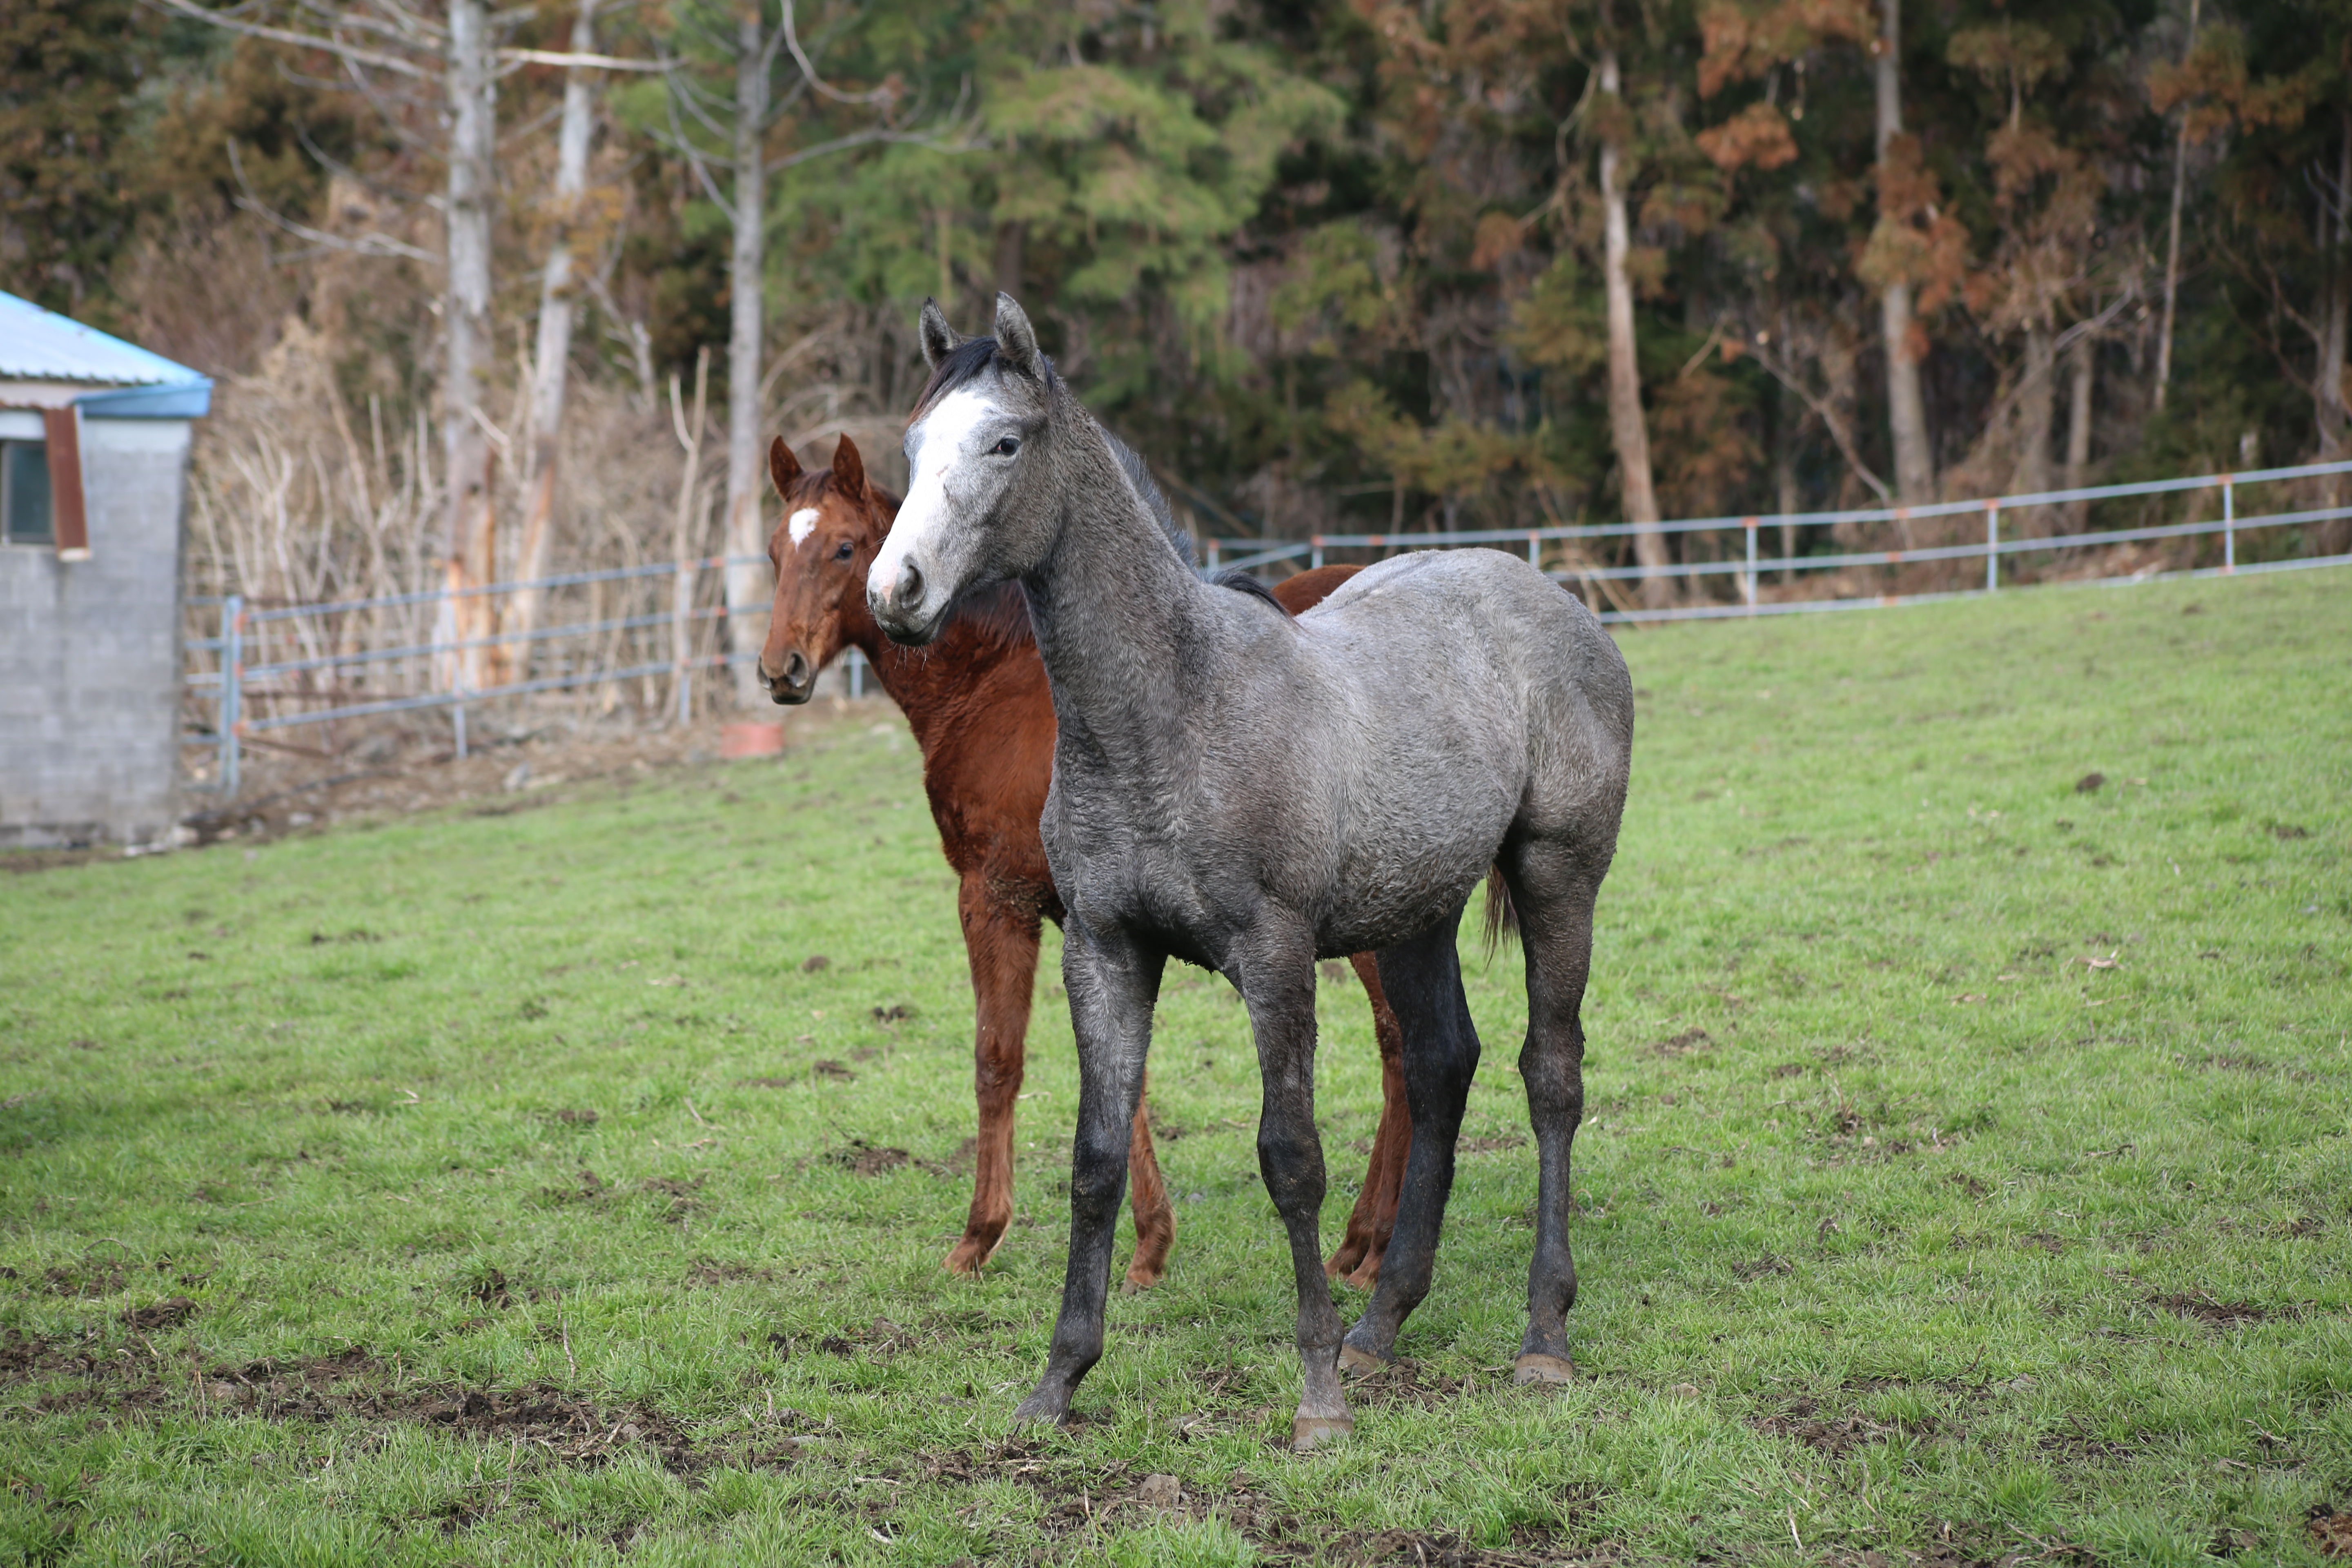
(796, 684)
(902, 610)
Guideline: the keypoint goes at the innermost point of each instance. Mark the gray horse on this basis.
(1251, 793)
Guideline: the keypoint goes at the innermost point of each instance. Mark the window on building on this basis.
(26, 516)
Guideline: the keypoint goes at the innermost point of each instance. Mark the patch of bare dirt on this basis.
(1964, 1546)
(555, 1421)
(1488, 1145)
(2225, 1314)
(1083, 1493)
(394, 767)
(1690, 1042)
(1803, 1422)
(2330, 1532)
(866, 1158)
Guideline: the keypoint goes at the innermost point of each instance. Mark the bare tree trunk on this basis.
(1626, 424)
(1784, 476)
(2172, 236)
(469, 554)
(2078, 428)
(2335, 533)
(2037, 405)
(1907, 408)
(747, 589)
(682, 531)
(556, 291)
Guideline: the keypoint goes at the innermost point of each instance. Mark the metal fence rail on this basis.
(1247, 554)
(235, 685)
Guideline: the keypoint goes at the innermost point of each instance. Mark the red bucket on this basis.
(751, 741)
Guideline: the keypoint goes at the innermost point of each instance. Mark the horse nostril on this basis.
(796, 670)
(911, 586)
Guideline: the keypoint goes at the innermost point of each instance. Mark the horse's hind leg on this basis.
(1424, 981)
(1553, 888)
(1155, 1217)
(1276, 975)
(1374, 1218)
(1112, 984)
(1000, 941)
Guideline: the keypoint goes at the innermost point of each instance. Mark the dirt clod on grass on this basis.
(2330, 1532)
(169, 1313)
(1690, 1042)
(866, 1158)
(1802, 1422)
(555, 1421)
(2206, 1309)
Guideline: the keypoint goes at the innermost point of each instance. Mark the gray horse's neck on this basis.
(1112, 605)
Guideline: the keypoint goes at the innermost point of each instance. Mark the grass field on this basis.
(1965, 1174)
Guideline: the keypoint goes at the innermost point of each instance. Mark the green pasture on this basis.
(1965, 1177)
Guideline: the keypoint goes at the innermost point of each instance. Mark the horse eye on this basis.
(845, 551)
(1007, 446)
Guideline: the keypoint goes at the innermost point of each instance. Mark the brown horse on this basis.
(980, 707)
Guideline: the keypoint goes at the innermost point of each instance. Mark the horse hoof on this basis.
(968, 1258)
(1351, 1359)
(1040, 1410)
(1308, 1433)
(1536, 1367)
(1137, 1284)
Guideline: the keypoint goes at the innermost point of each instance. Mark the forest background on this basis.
(475, 280)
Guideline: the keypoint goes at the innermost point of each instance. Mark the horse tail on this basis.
(1501, 922)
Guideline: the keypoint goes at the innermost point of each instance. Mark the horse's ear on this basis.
(782, 467)
(849, 469)
(1016, 340)
(940, 340)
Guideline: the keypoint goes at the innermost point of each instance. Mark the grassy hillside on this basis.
(1965, 1170)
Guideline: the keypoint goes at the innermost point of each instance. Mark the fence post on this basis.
(1213, 552)
(232, 704)
(1316, 559)
(1535, 550)
(857, 670)
(2229, 525)
(1992, 547)
(1751, 565)
(681, 635)
(457, 718)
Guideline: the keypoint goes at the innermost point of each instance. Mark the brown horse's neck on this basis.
(931, 685)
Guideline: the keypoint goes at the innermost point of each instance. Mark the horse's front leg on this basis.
(1113, 983)
(1276, 975)
(999, 939)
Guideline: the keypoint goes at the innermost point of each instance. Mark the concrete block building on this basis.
(94, 438)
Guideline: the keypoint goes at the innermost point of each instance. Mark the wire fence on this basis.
(263, 669)
(1559, 550)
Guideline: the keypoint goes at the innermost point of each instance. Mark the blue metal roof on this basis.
(41, 345)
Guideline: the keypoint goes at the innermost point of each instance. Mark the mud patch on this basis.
(2330, 1532)
(1690, 1042)
(1084, 1495)
(1802, 1422)
(1405, 1382)
(2204, 1309)
(540, 1417)
(865, 1159)
(166, 1314)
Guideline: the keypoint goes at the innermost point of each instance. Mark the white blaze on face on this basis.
(802, 523)
(936, 452)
